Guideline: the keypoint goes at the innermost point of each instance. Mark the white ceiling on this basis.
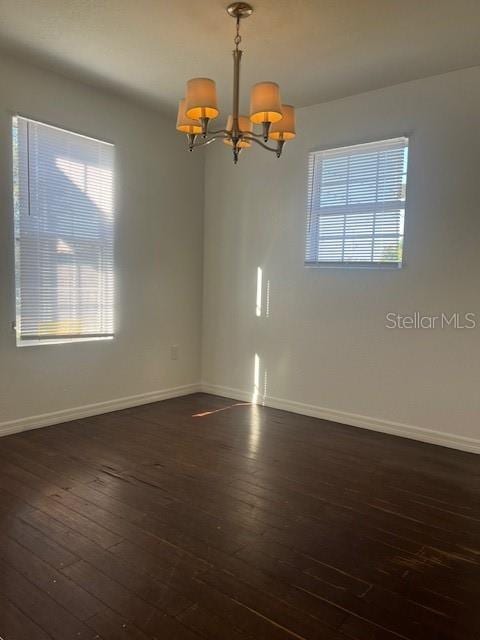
(316, 49)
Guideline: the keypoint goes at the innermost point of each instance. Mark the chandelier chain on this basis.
(238, 38)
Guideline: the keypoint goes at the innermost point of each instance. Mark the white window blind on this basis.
(64, 217)
(357, 204)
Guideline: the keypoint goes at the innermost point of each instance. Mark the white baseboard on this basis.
(365, 422)
(76, 413)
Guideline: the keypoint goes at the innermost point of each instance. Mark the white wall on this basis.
(324, 343)
(158, 254)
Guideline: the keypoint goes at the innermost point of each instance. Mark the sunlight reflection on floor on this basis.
(207, 413)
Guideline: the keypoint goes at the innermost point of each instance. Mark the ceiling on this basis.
(317, 50)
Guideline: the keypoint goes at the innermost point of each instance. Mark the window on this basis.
(357, 205)
(63, 205)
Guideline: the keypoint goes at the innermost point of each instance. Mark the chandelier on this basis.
(199, 107)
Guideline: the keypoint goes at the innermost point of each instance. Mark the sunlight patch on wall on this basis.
(258, 306)
(256, 378)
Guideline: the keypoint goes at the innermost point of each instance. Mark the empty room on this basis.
(239, 320)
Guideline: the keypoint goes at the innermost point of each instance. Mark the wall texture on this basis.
(320, 345)
(158, 254)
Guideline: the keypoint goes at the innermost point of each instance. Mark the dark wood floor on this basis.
(201, 517)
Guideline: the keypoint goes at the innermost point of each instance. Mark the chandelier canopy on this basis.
(199, 106)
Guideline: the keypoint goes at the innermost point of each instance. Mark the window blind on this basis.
(357, 204)
(64, 222)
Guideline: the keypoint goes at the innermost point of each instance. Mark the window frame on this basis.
(52, 339)
(356, 265)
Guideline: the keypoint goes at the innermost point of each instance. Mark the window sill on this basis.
(389, 266)
(60, 340)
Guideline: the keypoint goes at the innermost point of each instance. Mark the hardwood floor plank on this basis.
(151, 620)
(73, 520)
(50, 581)
(111, 593)
(212, 600)
(15, 625)
(111, 626)
(40, 607)
(149, 588)
(44, 548)
(278, 611)
(209, 625)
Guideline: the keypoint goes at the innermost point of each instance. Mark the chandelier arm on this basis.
(262, 144)
(207, 141)
(219, 131)
(277, 150)
(254, 133)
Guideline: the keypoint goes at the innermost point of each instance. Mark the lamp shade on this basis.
(284, 129)
(201, 99)
(265, 104)
(244, 125)
(184, 124)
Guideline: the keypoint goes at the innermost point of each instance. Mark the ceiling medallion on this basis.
(199, 107)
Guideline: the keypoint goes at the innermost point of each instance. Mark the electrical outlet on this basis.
(174, 352)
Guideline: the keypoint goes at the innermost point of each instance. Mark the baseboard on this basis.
(76, 413)
(365, 422)
(430, 436)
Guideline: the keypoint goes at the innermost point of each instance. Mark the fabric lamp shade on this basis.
(245, 126)
(265, 104)
(284, 129)
(201, 99)
(184, 124)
